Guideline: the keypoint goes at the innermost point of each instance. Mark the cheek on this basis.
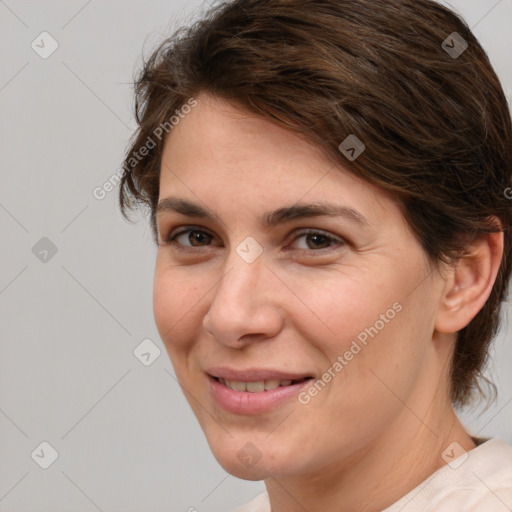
(365, 329)
(381, 360)
(176, 301)
(341, 309)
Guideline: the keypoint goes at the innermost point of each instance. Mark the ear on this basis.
(470, 282)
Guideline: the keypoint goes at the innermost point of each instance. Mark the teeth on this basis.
(237, 386)
(271, 384)
(255, 387)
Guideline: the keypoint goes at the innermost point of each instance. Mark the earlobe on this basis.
(470, 282)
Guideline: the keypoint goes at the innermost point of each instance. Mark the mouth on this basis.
(254, 397)
(260, 386)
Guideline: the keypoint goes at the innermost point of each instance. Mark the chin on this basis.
(239, 470)
(248, 462)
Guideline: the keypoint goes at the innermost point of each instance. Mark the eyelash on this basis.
(171, 239)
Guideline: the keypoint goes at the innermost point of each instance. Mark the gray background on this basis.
(125, 436)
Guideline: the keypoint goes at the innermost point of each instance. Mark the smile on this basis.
(258, 386)
(254, 397)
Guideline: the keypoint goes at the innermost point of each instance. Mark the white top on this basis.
(477, 481)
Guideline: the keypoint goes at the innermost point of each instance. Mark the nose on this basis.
(245, 306)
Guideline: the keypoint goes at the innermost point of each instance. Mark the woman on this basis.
(327, 187)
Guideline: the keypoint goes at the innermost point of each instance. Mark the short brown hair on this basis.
(436, 126)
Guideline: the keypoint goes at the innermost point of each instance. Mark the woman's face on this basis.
(295, 296)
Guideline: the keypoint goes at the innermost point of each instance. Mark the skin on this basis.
(378, 429)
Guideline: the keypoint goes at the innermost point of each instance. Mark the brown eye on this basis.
(190, 237)
(318, 241)
(198, 238)
(315, 240)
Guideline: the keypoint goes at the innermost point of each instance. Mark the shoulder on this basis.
(477, 481)
(260, 503)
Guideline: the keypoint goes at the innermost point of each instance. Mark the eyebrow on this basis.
(268, 219)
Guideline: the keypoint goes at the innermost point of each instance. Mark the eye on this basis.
(317, 240)
(193, 235)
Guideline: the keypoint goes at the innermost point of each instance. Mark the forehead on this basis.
(229, 158)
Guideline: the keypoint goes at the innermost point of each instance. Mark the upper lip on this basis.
(253, 374)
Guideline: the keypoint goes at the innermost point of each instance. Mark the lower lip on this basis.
(244, 402)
